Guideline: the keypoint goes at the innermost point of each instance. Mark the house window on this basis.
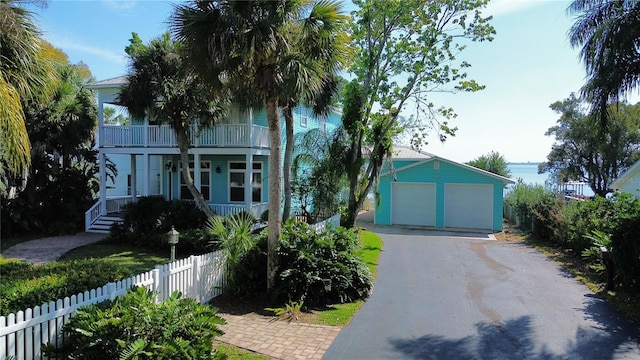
(237, 172)
(322, 125)
(205, 181)
(304, 117)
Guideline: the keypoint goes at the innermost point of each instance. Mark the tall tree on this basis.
(608, 32)
(162, 87)
(584, 151)
(313, 77)
(407, 49)
(493, 162)
(247, 46)
(22, 74)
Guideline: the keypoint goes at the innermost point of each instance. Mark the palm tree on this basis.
(22, 74)
(608, 32)
(161, 87)
(247, 46)
(313, 79)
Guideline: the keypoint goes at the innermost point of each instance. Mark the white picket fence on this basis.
(333, 222)
(23, 334)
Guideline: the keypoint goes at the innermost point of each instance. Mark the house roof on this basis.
(623, 177)
(421, 157)
(116, 82)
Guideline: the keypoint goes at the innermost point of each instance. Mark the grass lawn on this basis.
(231, 352)
(135, 259)
(341, 314)
(627, 303)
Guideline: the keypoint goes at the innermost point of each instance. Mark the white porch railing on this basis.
(223, 135)
(232, 209)
(22, 334)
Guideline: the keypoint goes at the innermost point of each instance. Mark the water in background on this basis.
(528, 172)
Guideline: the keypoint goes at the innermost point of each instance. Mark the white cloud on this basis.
(67, 45)
(503, 7)
(121, 4)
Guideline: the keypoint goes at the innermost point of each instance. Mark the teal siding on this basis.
(447, 173)
(219, 182)
(260, 117)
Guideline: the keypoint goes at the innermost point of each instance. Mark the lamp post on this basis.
(173, 238)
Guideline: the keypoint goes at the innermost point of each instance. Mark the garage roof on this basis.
(421, 157)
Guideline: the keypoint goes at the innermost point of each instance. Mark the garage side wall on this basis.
(440, 173)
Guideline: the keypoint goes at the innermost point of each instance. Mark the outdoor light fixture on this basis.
(218, 169)
(172, 238)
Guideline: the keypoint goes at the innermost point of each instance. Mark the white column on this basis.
(197, 180)
(134, 177)
(146, 174)
(248, 193)
(103, 183)
(100, 121)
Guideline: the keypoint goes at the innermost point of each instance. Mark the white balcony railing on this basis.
(163, 136)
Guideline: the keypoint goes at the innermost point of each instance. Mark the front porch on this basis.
(100, 217)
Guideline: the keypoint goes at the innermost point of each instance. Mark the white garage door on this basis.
(468, 206)
(413, 204)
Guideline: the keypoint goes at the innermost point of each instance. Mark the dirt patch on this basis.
(255, 307)
(511, 233)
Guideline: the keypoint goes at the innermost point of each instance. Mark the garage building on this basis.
(422, 189)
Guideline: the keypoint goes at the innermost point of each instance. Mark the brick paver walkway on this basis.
(278, 339)
(48, 249)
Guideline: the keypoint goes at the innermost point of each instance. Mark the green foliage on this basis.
(291, 311)
(320, 268)
(586, 151)
(234, 236)
(493, 162)
(583, 226)
(135, 327)
(25, 286)
(146, 222)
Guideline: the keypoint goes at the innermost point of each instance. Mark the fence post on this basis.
(111, 291)
(195, 287)
(157, 284)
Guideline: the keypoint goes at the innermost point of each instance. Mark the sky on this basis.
(528, 66)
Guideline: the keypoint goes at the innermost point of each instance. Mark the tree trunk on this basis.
(183, 144)
(288, 153)
(275, 176)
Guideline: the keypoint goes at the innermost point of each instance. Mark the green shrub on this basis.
(135, 327)
(196, 242)
(26, 286)
(146, 222)
(320, 268)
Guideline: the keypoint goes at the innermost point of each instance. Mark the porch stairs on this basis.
(103, 224)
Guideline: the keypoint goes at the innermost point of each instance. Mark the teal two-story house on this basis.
(228, 162)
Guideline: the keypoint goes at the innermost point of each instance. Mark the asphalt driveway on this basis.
(463, 296)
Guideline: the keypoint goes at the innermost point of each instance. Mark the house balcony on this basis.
(223, 135)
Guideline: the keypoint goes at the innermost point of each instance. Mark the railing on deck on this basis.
(223, 135)
(23, 334)
(232, 209)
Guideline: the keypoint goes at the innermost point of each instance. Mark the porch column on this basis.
(250, 127)
(100, 120)
(197, 180)
(134, 178)
(248, 192)
(103, 183)
(146, 174)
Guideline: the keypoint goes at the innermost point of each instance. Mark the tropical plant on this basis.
(23, 73)
(134, 326)
(406, 49)
(161, 87)
(290, 312)
(585, 151)
(247, 46)
(320, 268)
(493, 162)
(607, 32)
(234, 235)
